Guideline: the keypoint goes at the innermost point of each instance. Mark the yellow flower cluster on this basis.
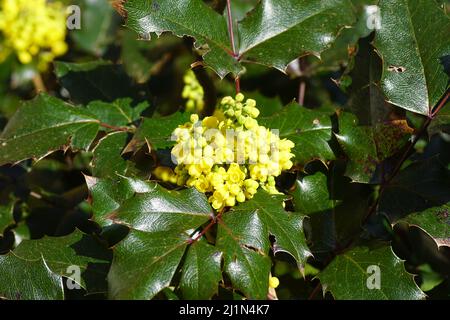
(193, 92)
(228, 158)
(34, 30)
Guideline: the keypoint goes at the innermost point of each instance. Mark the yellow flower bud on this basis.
(240, 97)
(274, 282)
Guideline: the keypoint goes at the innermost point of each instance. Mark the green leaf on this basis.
(96, 80)
(310, 130)
(22, 279)
(243, 239)
(333, 58)
(441, 123)
(201, 272)
(335, 206)
(75, 250)
(366, 147)
(277, 32)
(48, 122)
(109, 194)
(85, 136)
(413, 76)
(158, 131)
(311, 195)
(348, 275)
(6, 216)
(134, 59)
(435, 221)
(243, 236)
(118, 113)
(163, 210)
(419, 186)
(366, 99)
(186, 17)
(273, 34)
(144, 264)
(99, 22)
(267, 105)
(107, 160)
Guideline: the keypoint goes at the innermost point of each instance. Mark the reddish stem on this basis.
(315, 291)
(105, 125)
(209, 226)
(237, 82)
(441, 104)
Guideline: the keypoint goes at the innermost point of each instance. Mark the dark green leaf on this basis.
(108, 194)
(163, 210)
(311, 195)
(134, 60)
(118, 113)
(201, 272)
(420, 186)
(97, 80)
(48, 122)
(75, 250)
(350, 275)
(335, 207)
(99, 22)
(267, 105)
(366, 100)
(6, 216)
(158, 131)
(273, 34)
(144, 264)
(243, 239)
(366, 147)
(310, 130)
(28, 280)
(186, 17)
(243, 236)
(413, 77)
(107, 160)
(441, 122)
(277, 32)
(435, 221)
(83, 137)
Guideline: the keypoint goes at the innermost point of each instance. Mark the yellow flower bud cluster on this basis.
(228, 159)
(193, 92)
(35, 30)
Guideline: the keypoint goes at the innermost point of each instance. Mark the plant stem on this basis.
(233, 43)
(39, 83)
(108, 126)
(209, 226)
(441, 104)
(315, 291)
(302, 86)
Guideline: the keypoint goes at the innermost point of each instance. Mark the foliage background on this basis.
(353, 202)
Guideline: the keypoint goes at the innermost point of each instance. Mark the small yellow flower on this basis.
(34, 30)
(193, 92)
(274, 282)
(230, 171)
